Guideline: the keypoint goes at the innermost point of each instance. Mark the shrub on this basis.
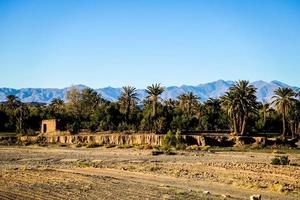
(193, 148)
(110, 146)
(280, 160)
(204, 148)
(157, 152)
(173, 140)
(92, 145)
(78, 145)
(125, 146)
(169, 140)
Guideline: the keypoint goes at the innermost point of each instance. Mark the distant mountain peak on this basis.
(214, 89)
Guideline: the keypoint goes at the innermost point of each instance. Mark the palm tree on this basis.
(188, 101)
(57, 103)
(154, 91)
(283, 102)
(22, 113)
(57, 106)
(294, 118)
(228, 104)
(213, 112)
(297, 94)
(128, 100)
(265, 110)
(240, 101)
(90, 99)
(12, 101)
(170, 103)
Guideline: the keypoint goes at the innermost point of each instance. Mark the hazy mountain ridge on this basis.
(204, 91)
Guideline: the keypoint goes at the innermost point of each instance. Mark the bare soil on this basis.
(54, 172)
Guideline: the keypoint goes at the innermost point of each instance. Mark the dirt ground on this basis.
(54, 172)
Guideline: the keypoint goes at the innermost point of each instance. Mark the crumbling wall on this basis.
(153, 139)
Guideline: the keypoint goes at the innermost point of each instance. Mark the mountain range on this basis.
(265, 91)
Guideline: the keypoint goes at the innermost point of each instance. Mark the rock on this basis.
(206, 192)
(225, 196)
(255, 197)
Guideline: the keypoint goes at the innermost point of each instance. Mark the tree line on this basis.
(237, 111)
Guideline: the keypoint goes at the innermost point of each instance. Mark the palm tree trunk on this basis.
(283, 125)
(298, 129)
(153, 109)
(240, 126)
(265, 121)
(235, 125)
(244, 125)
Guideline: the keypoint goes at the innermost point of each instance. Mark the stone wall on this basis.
(151, 139)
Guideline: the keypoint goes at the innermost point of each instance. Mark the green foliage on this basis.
(280, 160)
(174, 140)
(170, 139)
(85, 109)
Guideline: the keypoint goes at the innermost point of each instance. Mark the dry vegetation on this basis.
(53, 172)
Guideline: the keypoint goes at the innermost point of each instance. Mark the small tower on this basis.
(48, 126)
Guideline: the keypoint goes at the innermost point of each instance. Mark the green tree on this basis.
(128, 101)
(56, 108)
(12, 102)
(239, 102)
(22, 114)
(294, 118)
(188, 102)
(213, 115)
(264, 110)
(154, 91)
(283, 101)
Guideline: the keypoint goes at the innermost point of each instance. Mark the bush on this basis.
(280, 160)
(110, 146)
(173, 140)
(145, 146)
(169, 140)
(157, 152)
(125, 146)
(92, 145)
(78, 145)
(193, 148)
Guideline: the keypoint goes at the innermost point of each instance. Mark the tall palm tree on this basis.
(283, 102)
(154, 91)
(240, 101)
(265, 110)
(57, 103)
(12, 101)
(213, 112)
(228, 102)
(188, 101)
(297, 94)
(57, 106)
(170, 103)
(128, 100)
(294, 118)
(22, 113)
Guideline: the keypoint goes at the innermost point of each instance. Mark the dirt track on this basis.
(79, 173)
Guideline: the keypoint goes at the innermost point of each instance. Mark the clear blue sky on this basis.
(58, 43)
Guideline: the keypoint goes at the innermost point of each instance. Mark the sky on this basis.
(99, 43)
